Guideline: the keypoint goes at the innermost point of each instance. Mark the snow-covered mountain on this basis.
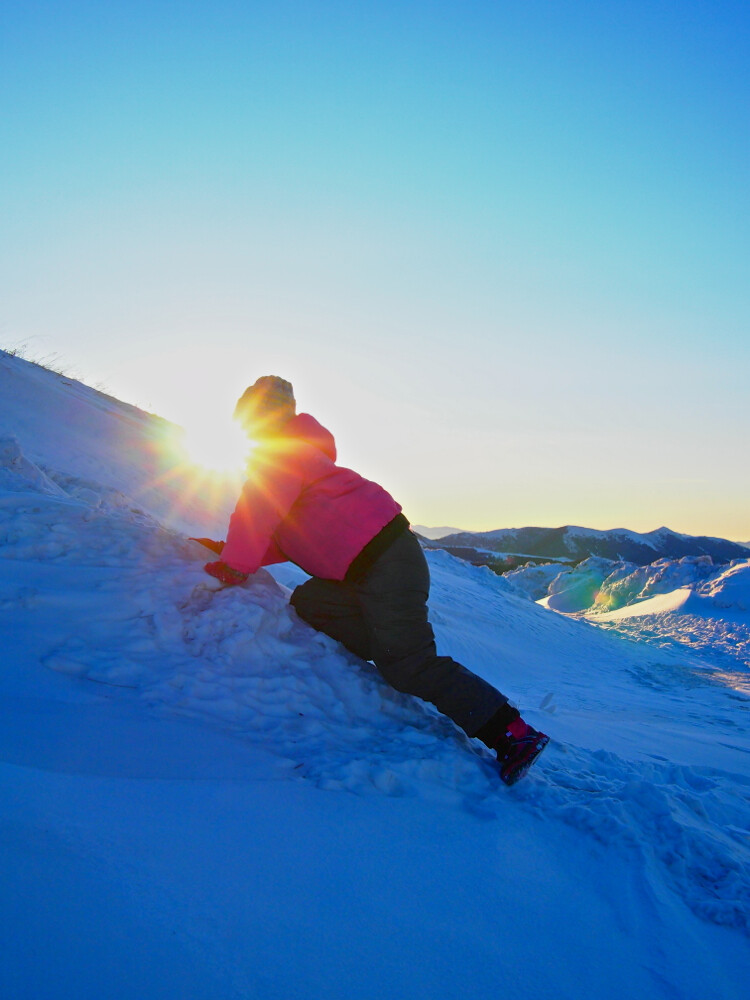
(577, 543)
(434, 533)
(202, 798)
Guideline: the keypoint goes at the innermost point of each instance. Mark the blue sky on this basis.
(501, 248)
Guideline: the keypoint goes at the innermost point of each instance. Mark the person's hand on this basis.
(209, 543)
(225, 574)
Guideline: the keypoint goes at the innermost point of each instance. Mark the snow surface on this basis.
(670, 603)
(203, 798)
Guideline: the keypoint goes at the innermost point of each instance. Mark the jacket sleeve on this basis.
(266, 499)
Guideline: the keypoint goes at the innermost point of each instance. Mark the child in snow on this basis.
(369, 578)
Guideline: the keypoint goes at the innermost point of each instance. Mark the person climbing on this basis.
(369, 580)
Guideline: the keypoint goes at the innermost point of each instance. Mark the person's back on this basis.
(319, 515)
(369, 580)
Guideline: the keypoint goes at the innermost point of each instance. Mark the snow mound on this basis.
(599, 585)
(578, 589)
(17, 473)
(635, 817)
(710, 618)
(730, 590)
(663, 576)
(687, 602)
(148, 619)
(533, 580)
(141, 617)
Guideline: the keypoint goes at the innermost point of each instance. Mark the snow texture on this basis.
(204, 798)
(670, 603)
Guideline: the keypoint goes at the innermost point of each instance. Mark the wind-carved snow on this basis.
(148, 619)
(670, 603)
(142, 618)
(18, 473)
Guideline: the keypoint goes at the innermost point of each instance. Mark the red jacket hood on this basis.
(308, 429)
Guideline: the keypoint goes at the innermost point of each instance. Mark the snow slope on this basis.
(107, 452)
(688, 602)
(203, 798)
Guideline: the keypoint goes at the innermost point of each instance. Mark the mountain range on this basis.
(572, 544)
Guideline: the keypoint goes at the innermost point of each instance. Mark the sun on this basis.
(218, 446)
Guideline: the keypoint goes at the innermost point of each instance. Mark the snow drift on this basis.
(204, 798)
(686, 602)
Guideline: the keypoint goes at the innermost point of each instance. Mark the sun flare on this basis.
(219, 446)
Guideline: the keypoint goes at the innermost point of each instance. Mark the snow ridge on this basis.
(687, 602)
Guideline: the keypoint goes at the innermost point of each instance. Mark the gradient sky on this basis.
(500, 248)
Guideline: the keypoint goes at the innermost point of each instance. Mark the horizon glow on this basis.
(500, 250)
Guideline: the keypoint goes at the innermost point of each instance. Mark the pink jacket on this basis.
(298, 505)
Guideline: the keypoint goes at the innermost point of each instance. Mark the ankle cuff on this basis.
(492, 733)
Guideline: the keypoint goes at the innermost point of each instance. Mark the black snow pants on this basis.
(382, 617)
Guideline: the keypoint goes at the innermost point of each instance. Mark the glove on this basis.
(209, 543)
(225, 574)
